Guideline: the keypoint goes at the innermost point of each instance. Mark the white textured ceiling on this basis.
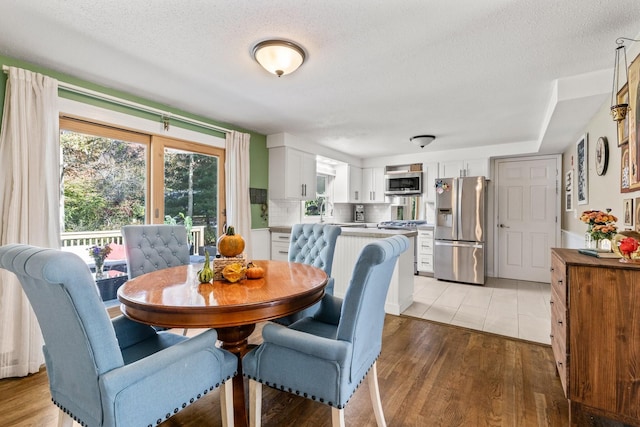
(512, 73)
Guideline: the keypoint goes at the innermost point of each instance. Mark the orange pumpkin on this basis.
(254, 271)
(230, 244)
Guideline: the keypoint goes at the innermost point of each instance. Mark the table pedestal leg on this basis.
(234, 339)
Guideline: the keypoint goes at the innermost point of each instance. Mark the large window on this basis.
(104, 177)
(191, 191)
(113, 177)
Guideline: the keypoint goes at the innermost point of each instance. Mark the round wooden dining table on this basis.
(174, 298)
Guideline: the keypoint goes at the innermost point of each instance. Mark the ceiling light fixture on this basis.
(422, 140)
(279, 57)
(619, 110)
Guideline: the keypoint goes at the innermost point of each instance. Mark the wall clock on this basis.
(602, 155)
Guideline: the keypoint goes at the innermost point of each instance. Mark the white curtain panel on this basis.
(29, 205)
(237, 167)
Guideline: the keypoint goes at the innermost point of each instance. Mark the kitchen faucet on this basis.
(321, 208)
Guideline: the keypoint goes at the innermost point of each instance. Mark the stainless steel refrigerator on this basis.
(459, 249)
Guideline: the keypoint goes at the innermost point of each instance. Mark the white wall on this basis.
(604, 191)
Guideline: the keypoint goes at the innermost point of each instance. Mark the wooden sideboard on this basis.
(595, 335)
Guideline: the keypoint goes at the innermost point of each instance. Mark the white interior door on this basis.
(527, 206)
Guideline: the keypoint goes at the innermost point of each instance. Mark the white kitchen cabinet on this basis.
(457, 168)
(292, 174)
(348, 184)
(424, 251)
(429, 176)
(373, 185)
(280, 246)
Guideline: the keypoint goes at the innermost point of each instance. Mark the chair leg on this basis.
(255, 403)
(374, 391)
(226, 403)
(337, 417)
(64, 420)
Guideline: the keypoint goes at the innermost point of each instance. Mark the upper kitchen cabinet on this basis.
(348, 184)
(430, 174)
(373, 185)
(292, 174)
(458, 168)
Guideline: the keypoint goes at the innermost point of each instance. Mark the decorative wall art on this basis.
(628, 212)
(637, 206)
(568, 190)
(634, 124)
(624, 169)
(582, 170)
(623, 125)
(602, 155)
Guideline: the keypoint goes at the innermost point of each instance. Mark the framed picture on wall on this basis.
(637, 206)
(624, 169)
(582, 170)
(623, 125)
(568, 190)
(628, 212)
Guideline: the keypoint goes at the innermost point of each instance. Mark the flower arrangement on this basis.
(99, 254)
(600, 225)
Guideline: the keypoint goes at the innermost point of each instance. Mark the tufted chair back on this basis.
(154, 247)
(312, 244)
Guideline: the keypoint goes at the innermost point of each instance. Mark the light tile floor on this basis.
(513, 308)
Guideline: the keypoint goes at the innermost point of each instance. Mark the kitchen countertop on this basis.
(356, 230)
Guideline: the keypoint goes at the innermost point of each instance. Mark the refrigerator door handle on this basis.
(460, 244)
(459, 208)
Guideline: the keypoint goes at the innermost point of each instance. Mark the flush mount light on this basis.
(422, 140)
(278, 57)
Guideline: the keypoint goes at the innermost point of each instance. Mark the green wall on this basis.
(259, 156)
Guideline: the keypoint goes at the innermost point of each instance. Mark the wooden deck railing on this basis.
(101, 238)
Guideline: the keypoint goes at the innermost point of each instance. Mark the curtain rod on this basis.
(140, 107)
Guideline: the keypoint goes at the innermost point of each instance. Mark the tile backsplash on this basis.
(288, 212)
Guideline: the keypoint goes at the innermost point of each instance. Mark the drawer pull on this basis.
(283, 252)
(559, 363)
(283, 237)
(551, 336)
(551, 302)
(560, 322)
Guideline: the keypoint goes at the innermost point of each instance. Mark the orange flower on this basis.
(601, 225)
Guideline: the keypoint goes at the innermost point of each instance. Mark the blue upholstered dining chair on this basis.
(152, 247)
(312, 244)
(326, 357)
(112, 372)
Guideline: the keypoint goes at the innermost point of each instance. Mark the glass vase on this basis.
(590, 242)
(99, 268)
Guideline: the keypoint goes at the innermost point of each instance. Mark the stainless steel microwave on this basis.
(403, 183)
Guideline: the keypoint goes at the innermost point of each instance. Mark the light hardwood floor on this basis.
(430, 374)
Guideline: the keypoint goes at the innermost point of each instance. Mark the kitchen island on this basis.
(348, 247)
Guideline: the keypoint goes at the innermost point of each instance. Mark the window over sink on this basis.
(322, 205)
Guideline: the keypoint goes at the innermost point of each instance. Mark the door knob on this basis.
(503, 226)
